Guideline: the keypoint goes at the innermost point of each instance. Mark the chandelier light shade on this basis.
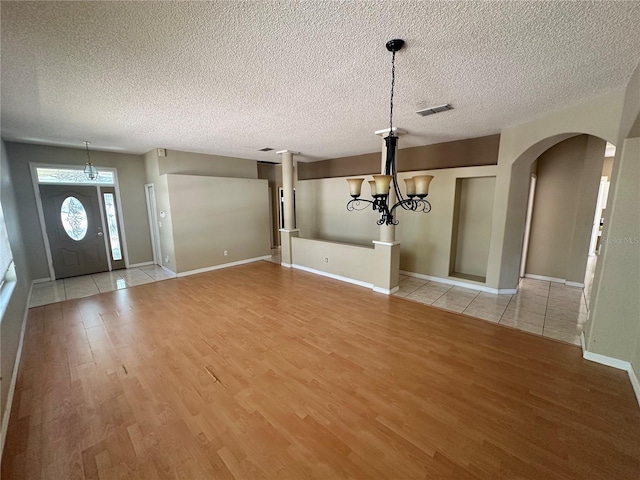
(417, 187)
(90, 171)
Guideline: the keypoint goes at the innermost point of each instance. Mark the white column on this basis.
(288, 214)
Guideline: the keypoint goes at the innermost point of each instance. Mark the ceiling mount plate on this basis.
(395, 45)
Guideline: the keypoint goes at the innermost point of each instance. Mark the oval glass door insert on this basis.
(74, 218)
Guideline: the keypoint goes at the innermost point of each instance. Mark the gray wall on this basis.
(12, 320)
(131, 177)
(565, 201)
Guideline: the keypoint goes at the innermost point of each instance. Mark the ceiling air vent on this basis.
(431, 110)
(265, 149)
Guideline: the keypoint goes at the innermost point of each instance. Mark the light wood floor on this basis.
(258, 371)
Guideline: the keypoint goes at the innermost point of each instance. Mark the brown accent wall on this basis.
(470, 152)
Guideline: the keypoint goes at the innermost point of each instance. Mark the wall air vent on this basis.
(265, 149)
(431, 110)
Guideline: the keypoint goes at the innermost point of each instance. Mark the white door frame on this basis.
(527, 224)
(45, 238)
(152, 211)
(603, 193)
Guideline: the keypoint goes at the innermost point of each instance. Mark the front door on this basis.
(74, 227)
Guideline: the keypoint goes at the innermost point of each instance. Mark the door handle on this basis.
(99, 234)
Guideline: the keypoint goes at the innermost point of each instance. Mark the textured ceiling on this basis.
(228, 78)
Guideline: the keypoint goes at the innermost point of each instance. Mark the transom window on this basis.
(71, 175)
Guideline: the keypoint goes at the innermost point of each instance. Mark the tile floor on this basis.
(544, 308)
(87, 285)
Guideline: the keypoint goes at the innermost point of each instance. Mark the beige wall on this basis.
(12, 320)
(461, 153)
(210, 215)
(349, 261)
(189, 163)
(425, 239)
(519, 147)
(273, 174)
(568, 177)
(472, 226)
(131, 178)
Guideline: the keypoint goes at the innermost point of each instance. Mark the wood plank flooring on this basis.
(258, 371)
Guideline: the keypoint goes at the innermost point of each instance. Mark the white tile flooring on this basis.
(87, 285)
(544, 308)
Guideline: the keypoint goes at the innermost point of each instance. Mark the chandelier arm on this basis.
(354, 204)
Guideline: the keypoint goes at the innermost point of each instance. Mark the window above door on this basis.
(70, 175)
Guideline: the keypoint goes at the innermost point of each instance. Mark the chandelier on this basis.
(90, 171)
(417, 187)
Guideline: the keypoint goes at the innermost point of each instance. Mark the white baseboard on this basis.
(141, 264)
(285, 265)
(386, 291)
(615, 363)
(224, 265)
(14, 377)
(544, 278)
(554, 280)
(40, 280)
(168, 270)
(331, 275)
(461, 283)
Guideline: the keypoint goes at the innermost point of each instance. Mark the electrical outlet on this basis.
(166, 259)
(226, 252)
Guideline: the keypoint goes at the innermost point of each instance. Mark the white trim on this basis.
(461, 283)
(527, 224)
(389, 244)
(634, 382)
(545, 278)
(224, 265)
(43, 230)
(123, 232)
(615, 363)
(289, 230)
(331, 275)
(103, 221)
(41, 280)
(154, 229)
(280, 152)
(554, 280)
(286, 265)
(167, 269)
(14, 377)
(604, 360)
(141, 264)
(386, 291)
